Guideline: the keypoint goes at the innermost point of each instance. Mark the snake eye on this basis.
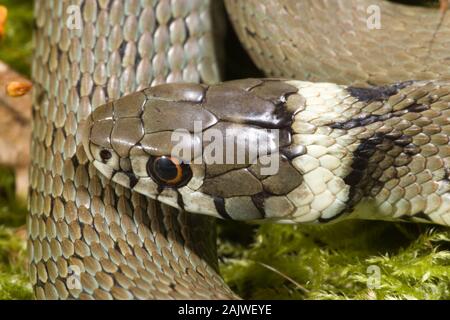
(169, 171)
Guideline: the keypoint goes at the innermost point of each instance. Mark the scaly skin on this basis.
(329, 40)
(125, 245)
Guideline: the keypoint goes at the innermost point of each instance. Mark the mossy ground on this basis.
(269, 261)
(14, 282)
(349, 260)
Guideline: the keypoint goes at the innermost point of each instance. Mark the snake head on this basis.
(221, 150)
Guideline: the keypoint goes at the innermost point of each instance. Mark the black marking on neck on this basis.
(362, 154)
(359, 169)
(365, 120)
(219, 203)
(377, 93)
(360, 179)
(360, 121)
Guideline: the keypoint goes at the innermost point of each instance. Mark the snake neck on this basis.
(375, 153)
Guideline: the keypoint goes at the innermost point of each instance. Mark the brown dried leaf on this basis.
(18, 88)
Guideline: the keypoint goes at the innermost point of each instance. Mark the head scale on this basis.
(166, 141)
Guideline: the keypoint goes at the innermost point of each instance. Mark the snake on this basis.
(362, 133)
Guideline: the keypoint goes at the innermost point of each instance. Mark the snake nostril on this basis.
(105, 155)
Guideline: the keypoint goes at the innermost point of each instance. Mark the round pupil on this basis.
(166, 169)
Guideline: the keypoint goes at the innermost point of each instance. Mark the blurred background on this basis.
(357, 259)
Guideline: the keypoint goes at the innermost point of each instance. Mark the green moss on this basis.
(338, 262)
(16, 47)
(14, 282)
(12, 210)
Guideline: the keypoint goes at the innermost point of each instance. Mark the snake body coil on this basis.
(372, 152)
(89, 238)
